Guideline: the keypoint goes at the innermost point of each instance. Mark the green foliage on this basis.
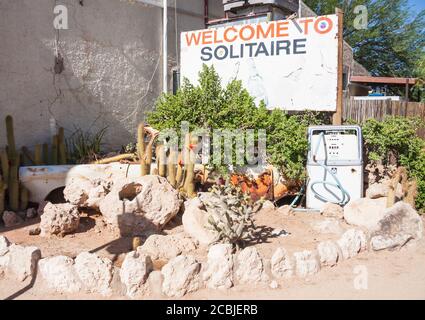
(392, 44)
(231, 213)
(394, 141)
(287, 143)
(86, 146)
(209, 105)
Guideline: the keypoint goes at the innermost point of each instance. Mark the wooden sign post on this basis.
(337, 116)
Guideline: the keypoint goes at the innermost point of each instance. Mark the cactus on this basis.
(11, 140)
(179, 173)
(412, 193)
(190, 157)
(171, 168)
(24, 197)
(400, 176)
(54, 151)
(61, 146)
(14, 185)
(4, 165)
(160, 160)
(117, 158)
(38, 155)
(14, 158)
(137, 242)
(3, 187)
(231, 213)
(141, 149)
(27, 158)
(46, 159)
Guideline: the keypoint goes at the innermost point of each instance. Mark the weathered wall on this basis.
(112, 65)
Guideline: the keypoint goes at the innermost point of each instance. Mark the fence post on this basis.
(337, 116)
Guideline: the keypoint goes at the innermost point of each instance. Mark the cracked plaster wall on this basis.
(112, 67)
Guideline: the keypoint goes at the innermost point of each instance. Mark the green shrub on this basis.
(209, 105)
(287, 143)
(394, 141)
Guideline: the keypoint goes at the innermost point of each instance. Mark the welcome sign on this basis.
(289, 64)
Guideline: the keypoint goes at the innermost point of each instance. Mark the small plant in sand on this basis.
(231, 213)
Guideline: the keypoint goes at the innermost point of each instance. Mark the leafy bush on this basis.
(209, 105)
(394, 141)
(287, 143)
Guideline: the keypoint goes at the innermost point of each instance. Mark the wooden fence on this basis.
(361, 110)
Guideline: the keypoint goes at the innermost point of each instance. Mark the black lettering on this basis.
(217, 51)
(298, 45)
(250, 46)
(206, 54)
(232, 55)
(283, 45)
(261, 49)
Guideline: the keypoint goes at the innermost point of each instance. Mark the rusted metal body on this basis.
(42, 180)
(266, 185)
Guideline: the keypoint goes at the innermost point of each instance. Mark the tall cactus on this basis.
(171, 168)
(412, 193)
(54, 151)
(27, 158)
(160, 160)
(38, 155)
(13, 182)
(4, 165)
(179, 174)
(4, 179)
(46, 159)
(14, 185)
(189, 184)
(11, 147)
(61, 146)
(24, 197)
(400, 176)
(3, 187)
(141, 149)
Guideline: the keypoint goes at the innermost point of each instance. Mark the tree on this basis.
(393, 42)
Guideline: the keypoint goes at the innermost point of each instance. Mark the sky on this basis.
(417, 5)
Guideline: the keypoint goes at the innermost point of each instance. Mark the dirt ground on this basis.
(389, 275)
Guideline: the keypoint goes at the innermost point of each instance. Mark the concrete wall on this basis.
(112, 65)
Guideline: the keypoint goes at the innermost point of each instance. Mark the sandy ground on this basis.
(383, 275)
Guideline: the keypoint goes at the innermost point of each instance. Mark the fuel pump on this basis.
(334, 165)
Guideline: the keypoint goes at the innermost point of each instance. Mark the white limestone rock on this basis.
(181, 275)
(282, 264)
(59, 274)
(250, 267)
(94, 272)
(134, 272)
(218, 273)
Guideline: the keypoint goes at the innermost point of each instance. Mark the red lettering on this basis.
(226, 36)
(323, 25)
(306, 22)
(265, 34)
(193, 37)
(282, 26)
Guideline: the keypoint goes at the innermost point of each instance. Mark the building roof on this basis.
(383, 80)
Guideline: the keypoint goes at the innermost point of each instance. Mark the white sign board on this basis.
(290, 64)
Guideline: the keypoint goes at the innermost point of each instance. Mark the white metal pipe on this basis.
(164, 47)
